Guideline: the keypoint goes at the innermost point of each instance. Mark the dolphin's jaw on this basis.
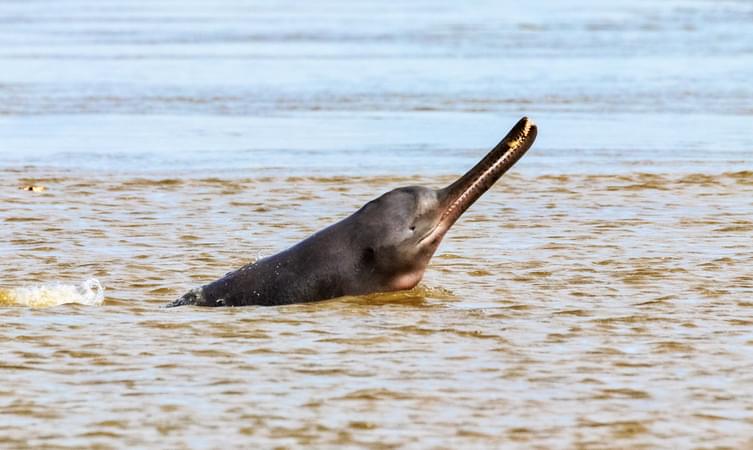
(461, 194)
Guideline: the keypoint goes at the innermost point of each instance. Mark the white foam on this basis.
(89, 292)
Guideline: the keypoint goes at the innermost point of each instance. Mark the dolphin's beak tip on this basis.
(526, 128)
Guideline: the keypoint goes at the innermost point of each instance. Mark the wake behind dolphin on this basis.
(384, 246)
(89, 292)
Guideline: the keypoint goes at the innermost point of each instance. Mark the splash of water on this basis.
(89, 292)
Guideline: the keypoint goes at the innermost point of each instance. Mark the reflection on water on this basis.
(600, 296)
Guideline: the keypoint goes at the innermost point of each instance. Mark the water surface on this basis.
(599, 296)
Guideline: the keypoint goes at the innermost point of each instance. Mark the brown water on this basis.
(588, 310)
(600, 296)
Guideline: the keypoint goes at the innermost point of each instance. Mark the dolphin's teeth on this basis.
(515, 147)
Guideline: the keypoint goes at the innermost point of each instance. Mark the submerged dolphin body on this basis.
(384, 246)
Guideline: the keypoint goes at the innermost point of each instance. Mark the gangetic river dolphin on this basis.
(384, 246)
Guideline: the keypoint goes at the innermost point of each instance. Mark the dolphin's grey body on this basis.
(384, 246)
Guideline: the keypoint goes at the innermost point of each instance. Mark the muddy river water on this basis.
(599, 296)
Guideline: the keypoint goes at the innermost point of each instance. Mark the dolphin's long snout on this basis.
(460, 195)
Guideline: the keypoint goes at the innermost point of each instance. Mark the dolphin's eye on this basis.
(413, 228)
(369, 255)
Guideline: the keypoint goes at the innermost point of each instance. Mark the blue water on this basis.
(372, 88)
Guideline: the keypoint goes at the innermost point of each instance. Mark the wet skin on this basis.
(384, 246)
